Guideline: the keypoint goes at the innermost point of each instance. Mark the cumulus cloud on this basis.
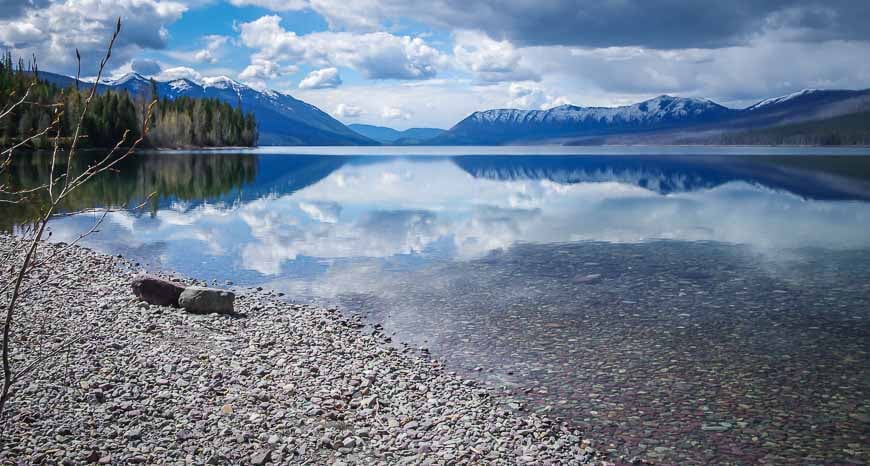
(19, 35)
(377, 55)
(261, 70)
(490, 60)
(533, 97)
(53, 31)
(321, 79)
(347, 111)
(395, 113)
(179, 72)
(209, 54)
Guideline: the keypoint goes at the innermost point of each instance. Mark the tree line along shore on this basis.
(182, 122)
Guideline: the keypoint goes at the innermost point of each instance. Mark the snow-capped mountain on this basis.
(810, 102)
(658, 115)
(501, 125)
(282, 119)
(783, 99)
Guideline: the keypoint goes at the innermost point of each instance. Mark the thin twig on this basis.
(75, 140)
(20, 102)
(42, 223)
(60, 251)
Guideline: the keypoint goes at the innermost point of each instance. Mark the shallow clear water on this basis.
(681, 304)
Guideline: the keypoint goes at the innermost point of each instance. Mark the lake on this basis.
(681, 305)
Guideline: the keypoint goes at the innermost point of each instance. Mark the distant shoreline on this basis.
(785, 146)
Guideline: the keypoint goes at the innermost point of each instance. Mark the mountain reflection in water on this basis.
(683, 308)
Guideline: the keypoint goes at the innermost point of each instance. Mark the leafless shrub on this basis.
(20, 264)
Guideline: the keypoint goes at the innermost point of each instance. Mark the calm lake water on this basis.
(682, 305)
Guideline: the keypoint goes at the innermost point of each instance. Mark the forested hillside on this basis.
(201, 122)
(182, 122)
(846, 130)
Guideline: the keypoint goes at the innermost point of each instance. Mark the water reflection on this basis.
(273, 210)
(685, 308)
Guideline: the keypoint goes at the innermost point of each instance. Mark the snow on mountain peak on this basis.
(658, 108)
(222, 82)
(783, 98)
(180, 85)
(133, 76)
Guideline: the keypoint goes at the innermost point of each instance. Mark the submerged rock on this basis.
(207, 300)
(154, 290)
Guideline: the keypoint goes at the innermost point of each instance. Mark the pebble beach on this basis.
(287, 384)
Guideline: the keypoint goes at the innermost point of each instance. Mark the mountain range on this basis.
(663, 119)
(285, 120)
(387, 135)
(282, 119)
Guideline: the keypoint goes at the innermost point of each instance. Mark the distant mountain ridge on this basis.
(282, 119)
(663, 119)
(388, 135)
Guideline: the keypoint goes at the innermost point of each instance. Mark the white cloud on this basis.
(490, 60)
(436, 103)
(210, 53)
(179, 72)
(347, 111)
(395, 113)
(261, 70)
(533, 97)
(358, 15)
(274, 5)
(600, 64)
(14, 34)
(321, 79)
(53, 32)
(733, 75)
(377, 55)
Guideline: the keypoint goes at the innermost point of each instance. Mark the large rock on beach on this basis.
(207, 300)
(154, 290)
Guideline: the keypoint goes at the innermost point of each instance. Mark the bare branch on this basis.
(39, 230)
(77, 133)
(58, 253)
(38, 361)
(16, 104)
(106, 163)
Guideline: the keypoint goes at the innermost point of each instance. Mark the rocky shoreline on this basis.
(288, 384)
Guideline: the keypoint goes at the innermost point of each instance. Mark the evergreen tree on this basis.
(183, 122)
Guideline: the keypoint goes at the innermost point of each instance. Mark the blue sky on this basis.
(431, 63)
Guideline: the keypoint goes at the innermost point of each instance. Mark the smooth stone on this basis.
(157, 291)
(203, 300)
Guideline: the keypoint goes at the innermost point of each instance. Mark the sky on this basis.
(430, 63)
